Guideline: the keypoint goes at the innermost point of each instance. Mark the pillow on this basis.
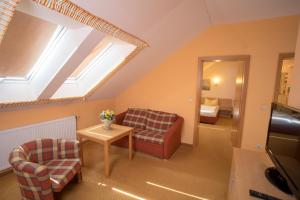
(211, 102)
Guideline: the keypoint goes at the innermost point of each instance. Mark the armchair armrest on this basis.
(68, 149)
(34, 179)
(31, 168)
(172, 138)
(120, 117)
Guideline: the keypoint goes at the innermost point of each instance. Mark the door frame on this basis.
(201, 60)
(281, 57)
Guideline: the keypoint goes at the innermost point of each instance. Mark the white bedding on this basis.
(209, 111)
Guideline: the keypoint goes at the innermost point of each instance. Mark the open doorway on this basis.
(221, 95)
(284, 78)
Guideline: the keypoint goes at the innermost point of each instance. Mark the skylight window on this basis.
(103, 60)
(47, 55)
(89, 64)
(16, 59)
(32, 52)
(56, 37)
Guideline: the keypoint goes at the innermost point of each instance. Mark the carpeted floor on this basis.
(191, 173)
(222, 123)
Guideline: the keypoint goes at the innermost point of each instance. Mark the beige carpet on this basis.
(191, 173)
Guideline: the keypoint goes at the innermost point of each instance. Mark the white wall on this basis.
(227, 71)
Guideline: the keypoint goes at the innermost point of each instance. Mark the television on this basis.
(283, 147)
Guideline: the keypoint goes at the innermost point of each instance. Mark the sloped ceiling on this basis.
(168, 24)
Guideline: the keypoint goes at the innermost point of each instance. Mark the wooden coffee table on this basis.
(106, 137)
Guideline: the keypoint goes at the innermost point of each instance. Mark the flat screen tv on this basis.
(283, 147)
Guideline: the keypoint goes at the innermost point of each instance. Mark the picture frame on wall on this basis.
(206, 84)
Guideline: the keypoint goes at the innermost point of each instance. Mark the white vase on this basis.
(107, 124)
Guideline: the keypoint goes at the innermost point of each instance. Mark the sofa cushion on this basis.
(135, 118)
(62, 171)
(136, 130)
(150, 136)
(158, 121)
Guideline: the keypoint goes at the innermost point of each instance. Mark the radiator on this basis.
(60, 128)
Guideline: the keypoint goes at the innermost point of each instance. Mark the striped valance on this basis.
(7, 9)
(70, 9)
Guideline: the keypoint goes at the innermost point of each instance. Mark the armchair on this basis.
(45, 166)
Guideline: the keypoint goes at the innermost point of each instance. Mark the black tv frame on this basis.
(277, 164)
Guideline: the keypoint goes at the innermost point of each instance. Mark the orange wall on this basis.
(227, 72)
(87, 112)
(171, 86)
(294, 97)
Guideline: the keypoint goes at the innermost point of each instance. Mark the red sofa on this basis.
(155, 132)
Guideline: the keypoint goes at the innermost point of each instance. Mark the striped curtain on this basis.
(7, 8)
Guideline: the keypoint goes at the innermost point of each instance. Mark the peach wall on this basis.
(171, 86)
(294, 97)
(87, 112)
(227, 72)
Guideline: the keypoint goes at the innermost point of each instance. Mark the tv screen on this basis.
(283, 144)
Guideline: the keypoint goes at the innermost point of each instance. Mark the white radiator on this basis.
(60, 128)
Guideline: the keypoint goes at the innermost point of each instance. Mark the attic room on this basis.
(160, 99)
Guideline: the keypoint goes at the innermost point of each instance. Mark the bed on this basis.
(209, 114)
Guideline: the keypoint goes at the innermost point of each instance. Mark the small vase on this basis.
(107, 124)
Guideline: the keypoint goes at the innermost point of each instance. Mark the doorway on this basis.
(221, 96)
(284, 78)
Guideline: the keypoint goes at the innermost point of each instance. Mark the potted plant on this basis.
(107, 117)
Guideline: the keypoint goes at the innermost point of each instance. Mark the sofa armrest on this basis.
(172, 138)
(120, 117)
(68, 149)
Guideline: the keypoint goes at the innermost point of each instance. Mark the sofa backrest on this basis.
(159, 121)
(156, 121)
(136, 118)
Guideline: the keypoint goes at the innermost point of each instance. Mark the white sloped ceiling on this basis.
(167, 24)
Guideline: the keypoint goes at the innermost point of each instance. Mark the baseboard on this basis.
(187, 144)
(5, 171)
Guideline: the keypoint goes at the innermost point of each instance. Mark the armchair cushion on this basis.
(159, 121)
(150, 136)
(136, 118)
(62, 171)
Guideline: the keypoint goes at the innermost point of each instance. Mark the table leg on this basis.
(130, 145)
(106, 159)
(81, 151)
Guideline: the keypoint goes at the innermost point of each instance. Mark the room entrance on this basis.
(284, 78)
(221, 96)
